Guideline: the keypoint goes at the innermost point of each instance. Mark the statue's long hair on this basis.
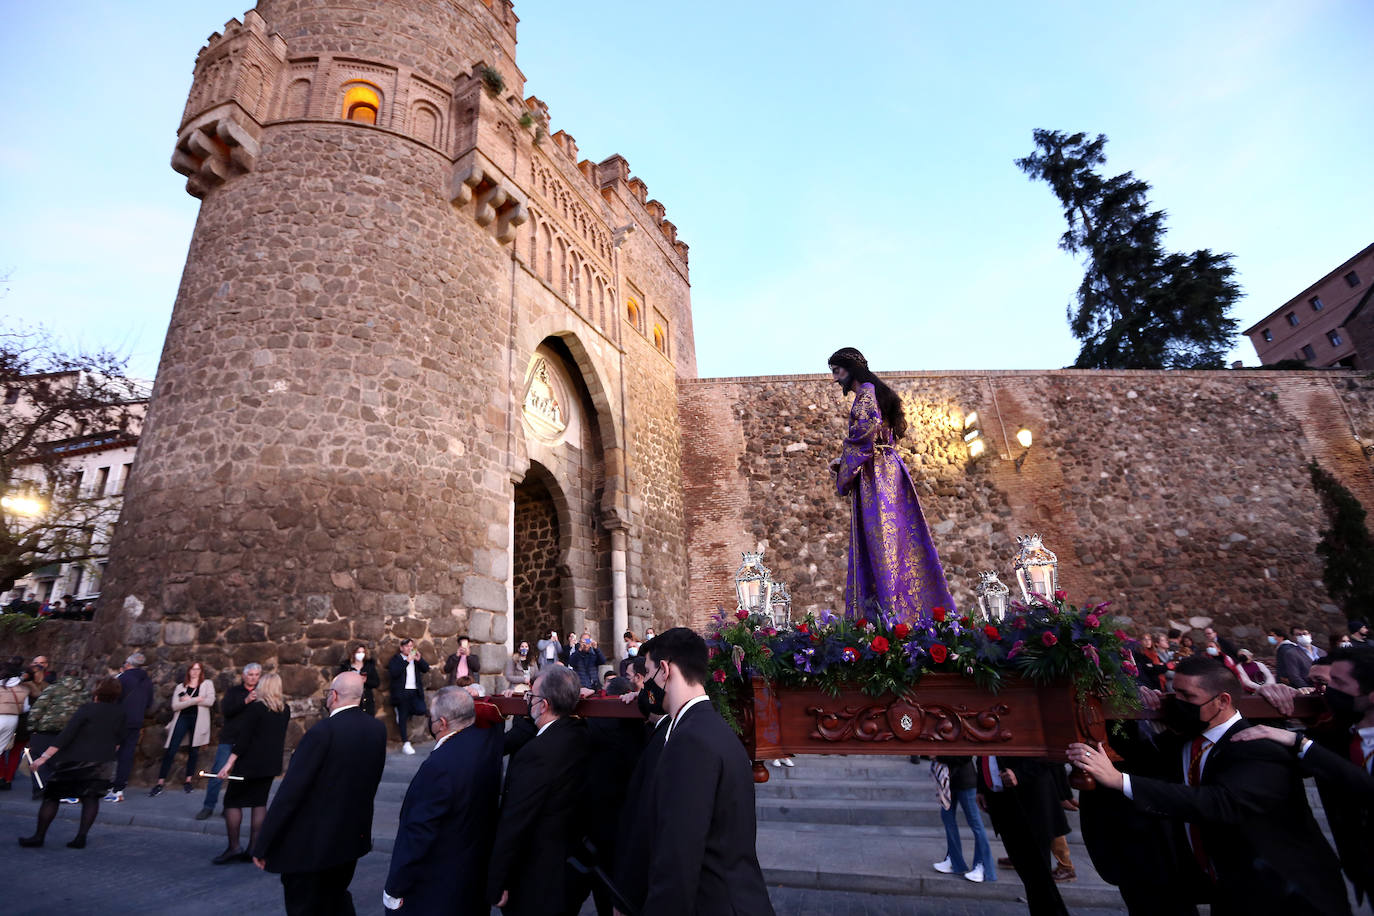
(889, 404)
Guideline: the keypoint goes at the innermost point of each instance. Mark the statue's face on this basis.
(841, 376)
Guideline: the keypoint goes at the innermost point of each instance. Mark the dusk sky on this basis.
(842, 172)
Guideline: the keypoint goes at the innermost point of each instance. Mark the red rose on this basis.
(901, 631)
(719, 676)
(879, 645)
(991, 632)
(861, 624)
(938, 613)
(766, 651)
(1060, 594)
(1048, 638)
(803, 628)
(1092, 620)
(938, 653)
(815, 637)
(965, 622)
(742, 614)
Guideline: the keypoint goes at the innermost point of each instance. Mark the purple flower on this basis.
(827, 618)
(1091, 653)
(1016, 649)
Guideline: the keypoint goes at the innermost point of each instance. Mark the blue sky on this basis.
(843, 172)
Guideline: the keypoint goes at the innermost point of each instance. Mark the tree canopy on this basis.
(1139, 306)
(55, 406)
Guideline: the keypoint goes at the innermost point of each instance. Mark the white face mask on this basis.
(1305, 640)
(1273, 641)
(1213, 650)
(633, 650)
(360, 655)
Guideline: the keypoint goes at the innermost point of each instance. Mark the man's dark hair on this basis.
(1295, 628)
(619, 686)
(640, 663)
(1215, 676)
(889, 404)
(1277, 631)
(1361, 662)
(108, 690)
(561, 688)
(407, 642)
(684, 648)
(1175, 633)
(463, 636)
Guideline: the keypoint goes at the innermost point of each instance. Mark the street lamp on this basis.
(1037, 568)
(25, 506)
(1023, 438)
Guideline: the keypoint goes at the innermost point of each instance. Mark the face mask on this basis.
(1305, 640)
(432, 733)
(655, 696)
(360, 655)
(1341, 704)
(524, 650)
(1213, 650)
(633, 651)
(1184, 717)
(1273, 640)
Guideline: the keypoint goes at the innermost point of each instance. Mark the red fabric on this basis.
(10, 766)
(1357, 754)
(487, 714)
(1200, 744)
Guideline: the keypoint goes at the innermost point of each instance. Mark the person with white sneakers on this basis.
(956, 783)
(784, 762)
(407, 669)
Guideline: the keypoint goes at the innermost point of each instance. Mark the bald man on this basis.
(320, 822)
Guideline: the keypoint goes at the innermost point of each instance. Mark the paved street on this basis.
(144, 870)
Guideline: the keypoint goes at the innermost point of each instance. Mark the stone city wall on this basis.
(1175, 495)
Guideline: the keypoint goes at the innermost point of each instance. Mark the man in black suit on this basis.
(632, 846)
(541, 805)
(443, 844)
(702, 825)
(320, 822)
(1254, 844)
(407, 669)
(1340, 754)
(1014, 793)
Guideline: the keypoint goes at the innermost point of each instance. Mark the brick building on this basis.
(1311, 325)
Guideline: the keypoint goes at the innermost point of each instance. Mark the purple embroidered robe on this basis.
(892, 559)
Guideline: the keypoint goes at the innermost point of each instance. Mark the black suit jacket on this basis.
(443, 844)
(539, 824)
(632, 852)
(322, 814)
(703, 858)
(1347, 793)
(1256, 826)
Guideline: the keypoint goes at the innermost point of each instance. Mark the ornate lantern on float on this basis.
(1037, 569)
(754, 584)
(992, 596)
(781, 606)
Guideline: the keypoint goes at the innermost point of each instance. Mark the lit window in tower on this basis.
(660, 339)
(362, 103)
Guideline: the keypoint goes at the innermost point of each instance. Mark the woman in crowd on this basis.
(1185, 648)
(14, 699)
(521, 669)
(958, 787)
(1253, 675)
(1151, 667)
(192, 701)
(364, 666)
(85, 762)
(257, 759)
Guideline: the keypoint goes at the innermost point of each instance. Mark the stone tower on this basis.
(420, 377)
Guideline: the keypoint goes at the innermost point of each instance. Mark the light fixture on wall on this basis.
(1023, 438)
(973, 435)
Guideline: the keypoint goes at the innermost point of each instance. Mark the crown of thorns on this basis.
(848, 355)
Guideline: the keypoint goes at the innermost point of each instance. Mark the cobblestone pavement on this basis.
(127, 869)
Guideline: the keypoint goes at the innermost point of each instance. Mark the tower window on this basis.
(632, 313)
(1334, 337)
(1292, 319)
(1316, 303)
(660, 339)
(1352, 279)
(362, 103)
(1308, 352)
(1268, 335)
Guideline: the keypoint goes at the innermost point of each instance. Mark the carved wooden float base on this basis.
(944, 714)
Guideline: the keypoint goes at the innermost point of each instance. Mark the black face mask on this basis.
(432, 733)
(1341, 704)
(651, 698)
(1184, 717)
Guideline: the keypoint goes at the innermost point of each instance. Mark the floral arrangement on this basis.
(1048, 640)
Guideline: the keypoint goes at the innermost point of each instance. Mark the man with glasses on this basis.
(702, 825)
(541, 817)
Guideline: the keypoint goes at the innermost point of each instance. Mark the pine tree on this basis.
(1139, 307)
(1346, 548)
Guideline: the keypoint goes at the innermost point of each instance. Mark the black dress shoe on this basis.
(30, 842)
(228, 857)
(77, 843)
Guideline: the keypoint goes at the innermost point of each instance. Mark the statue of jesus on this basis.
(893, 566)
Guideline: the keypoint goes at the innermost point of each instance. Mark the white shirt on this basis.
(440, 743)
(545, 727)
(685, 706)
(338, 709)
(410, 674)
(1211, 737)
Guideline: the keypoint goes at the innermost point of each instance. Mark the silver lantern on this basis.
(781, 605)
(993, 596)
(754, 584)
(1037, 569)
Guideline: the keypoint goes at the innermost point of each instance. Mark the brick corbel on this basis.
(497, 200)
(213, 148)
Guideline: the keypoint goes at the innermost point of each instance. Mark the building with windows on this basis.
(1311, 325)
